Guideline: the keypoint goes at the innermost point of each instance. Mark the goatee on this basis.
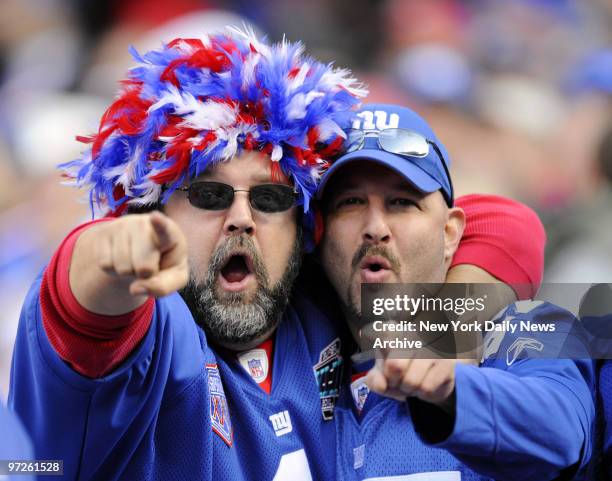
(233, 320)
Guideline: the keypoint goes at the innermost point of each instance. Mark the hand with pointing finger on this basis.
(431, 380)
(149, 247)
(117, 264)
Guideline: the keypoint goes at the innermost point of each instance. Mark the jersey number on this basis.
(293, 467)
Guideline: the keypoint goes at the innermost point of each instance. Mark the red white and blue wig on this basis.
(197, 102)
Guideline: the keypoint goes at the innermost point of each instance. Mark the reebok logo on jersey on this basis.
(281, 422)
(358, 456)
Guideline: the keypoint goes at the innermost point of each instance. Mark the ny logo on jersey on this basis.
(366, 120)
(281, 422)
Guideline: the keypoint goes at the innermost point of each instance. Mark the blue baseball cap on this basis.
(427, 174)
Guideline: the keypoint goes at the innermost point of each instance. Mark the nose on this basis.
(239, 218)
(376, 229)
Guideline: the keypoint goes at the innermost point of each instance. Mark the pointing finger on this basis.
(164, 238)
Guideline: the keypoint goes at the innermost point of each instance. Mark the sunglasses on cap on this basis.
(397, 141)
(266, 198)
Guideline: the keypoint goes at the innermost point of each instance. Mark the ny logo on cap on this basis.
(381, 120)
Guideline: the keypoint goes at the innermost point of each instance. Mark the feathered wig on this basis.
(197, 102)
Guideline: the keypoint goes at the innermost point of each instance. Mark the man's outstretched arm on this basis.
(93, 312)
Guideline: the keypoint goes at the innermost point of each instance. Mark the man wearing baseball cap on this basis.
(119, 375)
(227, 136)
(389, 217)
(388, 135)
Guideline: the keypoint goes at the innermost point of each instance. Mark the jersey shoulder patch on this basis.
(219, 410)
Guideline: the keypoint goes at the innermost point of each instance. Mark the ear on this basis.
(453, 231)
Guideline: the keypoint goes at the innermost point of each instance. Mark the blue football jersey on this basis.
(518, 415)
(14, 442)
(176, 409)
(604, 387)
(595, 315)
(382, 443)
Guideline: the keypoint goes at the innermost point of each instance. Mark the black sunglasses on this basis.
(218, 196)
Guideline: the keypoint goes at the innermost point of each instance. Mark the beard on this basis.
(233, 319)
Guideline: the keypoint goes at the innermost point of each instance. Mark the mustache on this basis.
(370, 250)
(233, 320)
(238, 245)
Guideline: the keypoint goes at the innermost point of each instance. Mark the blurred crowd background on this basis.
(519, 92)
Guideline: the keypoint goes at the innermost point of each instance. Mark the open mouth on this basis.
(235, 269)
(375, 269)
(236, 272)
(375, 263)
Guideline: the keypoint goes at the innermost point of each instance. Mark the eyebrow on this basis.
(406, 187)
(258, 179)
(400, 185)
(341, 186)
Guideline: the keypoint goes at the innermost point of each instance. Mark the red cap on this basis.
(506, 239)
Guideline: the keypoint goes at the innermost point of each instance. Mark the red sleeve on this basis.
(506, 239)
(92, 344)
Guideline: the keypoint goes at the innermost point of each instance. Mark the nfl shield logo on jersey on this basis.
(255, 362)
(362, 394)
(360, 391)
(219, 410)
(255, 368)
